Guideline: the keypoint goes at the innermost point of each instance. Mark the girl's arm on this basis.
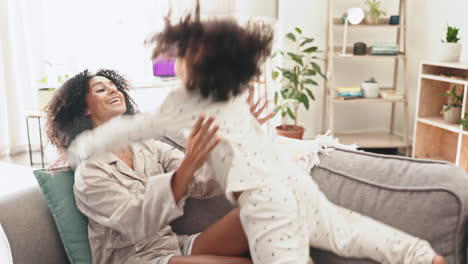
(116, 133)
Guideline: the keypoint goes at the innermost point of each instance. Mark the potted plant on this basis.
(47, 87)
(296, 81)
(375, 12)
(452, 110)
(464, 122)
(450, 49)
(370, 88)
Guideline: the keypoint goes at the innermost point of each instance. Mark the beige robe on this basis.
(129, 210)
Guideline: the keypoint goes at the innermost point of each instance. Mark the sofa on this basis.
(428, 199)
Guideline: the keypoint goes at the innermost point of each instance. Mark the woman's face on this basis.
(104, 101)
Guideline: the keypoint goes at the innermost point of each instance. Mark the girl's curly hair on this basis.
(221, 57)
(66, 111)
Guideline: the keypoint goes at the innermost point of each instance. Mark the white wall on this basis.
(427, 20)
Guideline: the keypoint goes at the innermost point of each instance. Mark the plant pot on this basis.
(449, 52)
(371, 19)
(453, 115)
(370, 90)
(290, 131)
(44, 96)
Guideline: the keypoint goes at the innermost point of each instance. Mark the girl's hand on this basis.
(201, 141)
(257, 111)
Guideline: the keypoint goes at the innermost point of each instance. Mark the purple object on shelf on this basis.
(164, 67)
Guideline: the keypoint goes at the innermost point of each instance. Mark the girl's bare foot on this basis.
(438, 259)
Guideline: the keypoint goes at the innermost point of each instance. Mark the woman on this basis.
(131, 195)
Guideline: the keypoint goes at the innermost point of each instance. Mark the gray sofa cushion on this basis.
(425, 198)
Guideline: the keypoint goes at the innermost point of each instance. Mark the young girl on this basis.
(283, 212)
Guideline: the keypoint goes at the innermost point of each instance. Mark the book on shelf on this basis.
(348, 92)
(391, 94)
(353, 94)
(384, 49)
(348, 97)
(348, 89)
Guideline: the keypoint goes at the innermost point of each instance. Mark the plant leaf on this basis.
(310, 72)
(306, 40)
(309, 81)
(283, 70)
(305, 100)
(310, 93)
(274, 75)
(298, 30)
(277, 109)
(276, 97)
(317, 69)
(296, 58)
(43, 80)
(291, 100)
(310, 50)
(291, 36)
(291, 114)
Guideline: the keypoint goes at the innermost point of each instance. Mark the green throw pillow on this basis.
(72, 225)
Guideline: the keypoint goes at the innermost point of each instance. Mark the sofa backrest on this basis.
(428, 199)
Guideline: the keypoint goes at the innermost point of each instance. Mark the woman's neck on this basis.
(125, 155)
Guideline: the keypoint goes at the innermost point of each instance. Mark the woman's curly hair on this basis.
(221, 56)
(66, 111)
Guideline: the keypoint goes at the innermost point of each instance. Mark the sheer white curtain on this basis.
(18, 44)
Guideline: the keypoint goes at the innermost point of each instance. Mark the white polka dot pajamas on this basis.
(282, 220)
(282, 210)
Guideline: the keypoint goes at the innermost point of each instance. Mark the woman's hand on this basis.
(201, 141)
(257, 111)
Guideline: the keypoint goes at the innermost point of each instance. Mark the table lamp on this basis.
(354, 16)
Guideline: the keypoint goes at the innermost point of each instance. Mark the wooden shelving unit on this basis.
(434, 138)
(367, 140)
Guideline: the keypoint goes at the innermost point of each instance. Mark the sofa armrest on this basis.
(26, 219)
(30, 229)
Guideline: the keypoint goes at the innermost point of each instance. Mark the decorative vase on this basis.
(359, 48)
(371, 19)
(290, 131)
(370, 90)
(449, 52)
(453, 115)
(44, 96)
(394, 20)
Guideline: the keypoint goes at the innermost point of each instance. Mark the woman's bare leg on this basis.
(226, 237)
(208, 260)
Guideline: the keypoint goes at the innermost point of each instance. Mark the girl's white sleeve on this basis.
(120, 132)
